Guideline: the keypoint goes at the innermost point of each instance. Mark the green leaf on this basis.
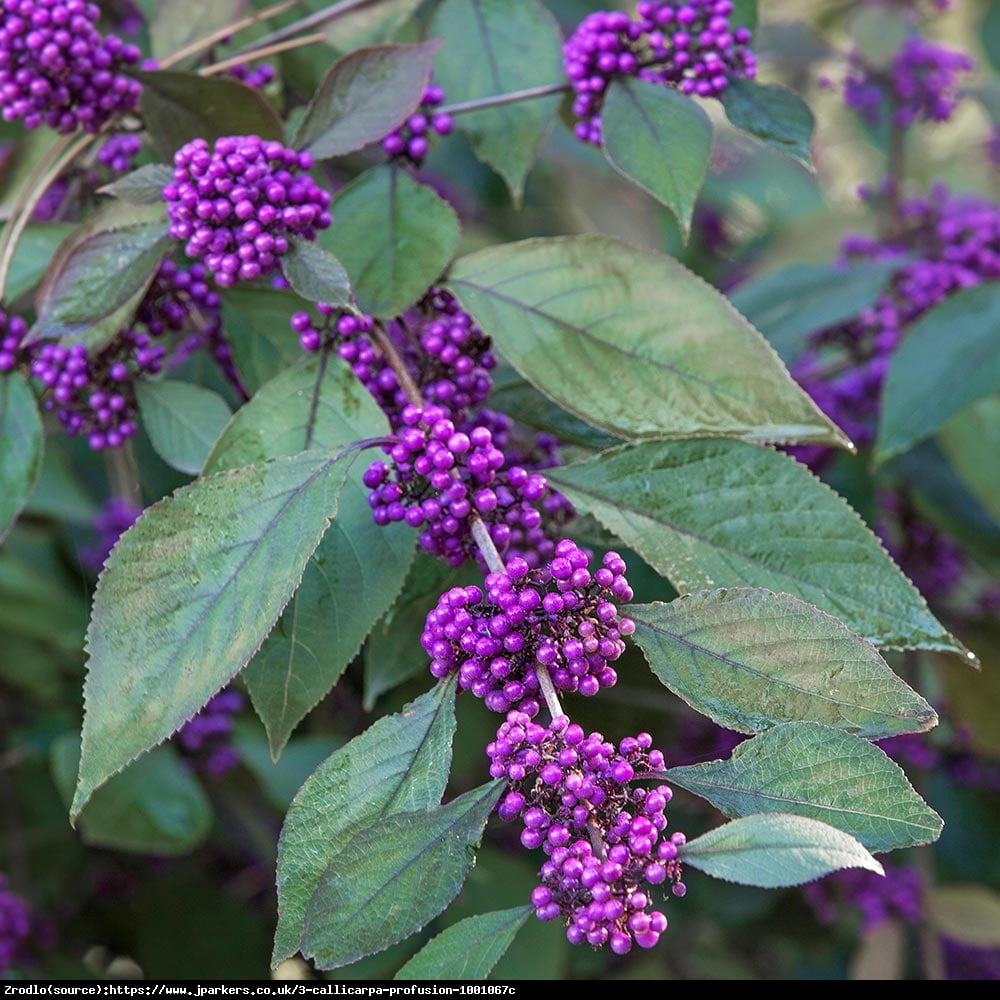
(800, 768)
(358, 569)
(179, 107)
(175, 24)
(949, 359)
(775, 850)
(494, 47)
(182, 421)
(751, 659)
(776, 116)
(257, 324)
(660, 353)
(966, 913)
(744, 14)
(156, 807)
(512, 394)
(724, 513)
(316, 274)
(989, 32)
(35, 250)
(393, 653)
(399, 764)
(99, 274)
(469, 949)
(190, 592)
(143, 186)
(393, 235)
(21, 446)
(660, 140)
(788, 305)
(368, 25)
(392, 876)
(966, 440)
(20, 162)
(364, 96)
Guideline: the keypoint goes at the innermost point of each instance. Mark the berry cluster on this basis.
(573, 795)
(257, 77)
(562, 618)
(206, 739)
(15, 927)
(899, 895)
(947, 243)
(115, 517)
(57, 69)
(410, 141)
(686, 44)
(119, 152)
(921, 84)
(442, 476)
(237, 204)
(12, 331)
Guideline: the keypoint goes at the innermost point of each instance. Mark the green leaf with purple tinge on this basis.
(752, 659)
(800, 768)
(178, 107)
(469, 949)
(393, 875)
(399, 764)
(659, 353)
(495, 47)
(716, 513)
(358, 568)
(660, 140)
(776, 116)
(774, 850)
(364, 96)
(316, 274)
(187, 596)
(99, 274)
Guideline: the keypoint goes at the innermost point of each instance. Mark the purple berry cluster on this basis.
(410, 141)
(686, 44)
(12, 331)
(93, 392)
(946, 243)
(899, 895)
(57, 69)
(257, 77)
(442, 476)
(119, 152)
(206, 739)
(573, 795)
(921, 84)
(15, 927)
(115, 517)
(237, 203)
(562, 618)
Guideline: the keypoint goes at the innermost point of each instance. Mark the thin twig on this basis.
(321, 17)
(498, 100)
(63, 152)
(220, 33)
(262, 53)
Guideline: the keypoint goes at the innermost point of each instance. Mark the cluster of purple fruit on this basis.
(920, 84)
(686, 44)
(574, 797)
(57, 69)
(410, 141)
(237, 204)
(946, 243)
(206, 739)
(563, 618)
(16, 926)
(441, 477)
